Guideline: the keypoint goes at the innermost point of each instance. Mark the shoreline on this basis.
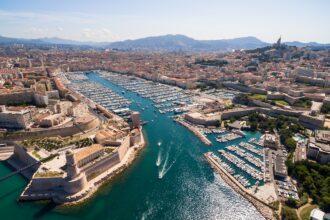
(264, 209)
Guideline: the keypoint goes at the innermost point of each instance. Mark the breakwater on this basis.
(204, 139)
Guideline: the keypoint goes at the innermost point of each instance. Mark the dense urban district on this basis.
(68, 135)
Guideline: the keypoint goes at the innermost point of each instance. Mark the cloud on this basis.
(98, 34)
(60, 24)
(73, 17)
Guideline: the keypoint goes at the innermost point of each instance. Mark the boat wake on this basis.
(161, 173)
(165, 168)
(147, 213)
(159, 158)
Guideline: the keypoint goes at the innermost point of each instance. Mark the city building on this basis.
(14, 117)
(312, 121)
(280, 170)
(88, 154)
(271, 141)
(319, 147)
(317, 214)
(202, 119)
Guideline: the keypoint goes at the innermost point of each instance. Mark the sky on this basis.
(114, 20)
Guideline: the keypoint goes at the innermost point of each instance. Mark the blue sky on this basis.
(111, 20)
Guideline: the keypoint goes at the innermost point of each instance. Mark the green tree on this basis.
(289, 213)
(290, 144)
(291, 202)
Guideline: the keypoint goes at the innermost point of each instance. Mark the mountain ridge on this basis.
(167, 42)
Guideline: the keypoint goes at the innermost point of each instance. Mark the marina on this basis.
(165, 98)
(252, 148)
(169, 165)
(99, 94)
(249, 157)
(242, 165)
(229, 137)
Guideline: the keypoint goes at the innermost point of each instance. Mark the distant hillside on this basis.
(184, 43)
(162, 43)
(56, 40)
(166, 42)
(309, 44)
(8, 40)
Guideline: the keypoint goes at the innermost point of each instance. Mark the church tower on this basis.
(278, 43)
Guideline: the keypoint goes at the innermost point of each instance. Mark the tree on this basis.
(325, 203)
(291, 202)
(314, 179)
(290, 144)
(325, 108)
(289, 213)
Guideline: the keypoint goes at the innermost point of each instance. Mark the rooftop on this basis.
(323, 136)
(85, 152)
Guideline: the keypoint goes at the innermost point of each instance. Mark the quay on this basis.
(204, 139)
(229, 137)
(264, 208)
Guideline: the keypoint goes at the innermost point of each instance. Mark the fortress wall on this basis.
(258, 91)
(62, 131)
(237, 113)
(275, 96)
(272, 112)
(122, 150)
(75, 185)
(236, 86)
(261, 104)
(102, 165)
(25, 96)
(38, 184)
(22, 155)
(286, 112)
(135, 139)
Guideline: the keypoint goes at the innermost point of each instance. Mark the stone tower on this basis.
(71, 165)
(75, 180)
(135, 117)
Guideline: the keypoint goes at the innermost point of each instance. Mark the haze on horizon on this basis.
(111, 20)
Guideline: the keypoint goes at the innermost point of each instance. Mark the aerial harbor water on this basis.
(169, 180)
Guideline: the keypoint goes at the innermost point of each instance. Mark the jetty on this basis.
(199, 134)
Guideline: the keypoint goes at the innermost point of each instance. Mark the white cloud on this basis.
(51, 24)
(98, 34)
